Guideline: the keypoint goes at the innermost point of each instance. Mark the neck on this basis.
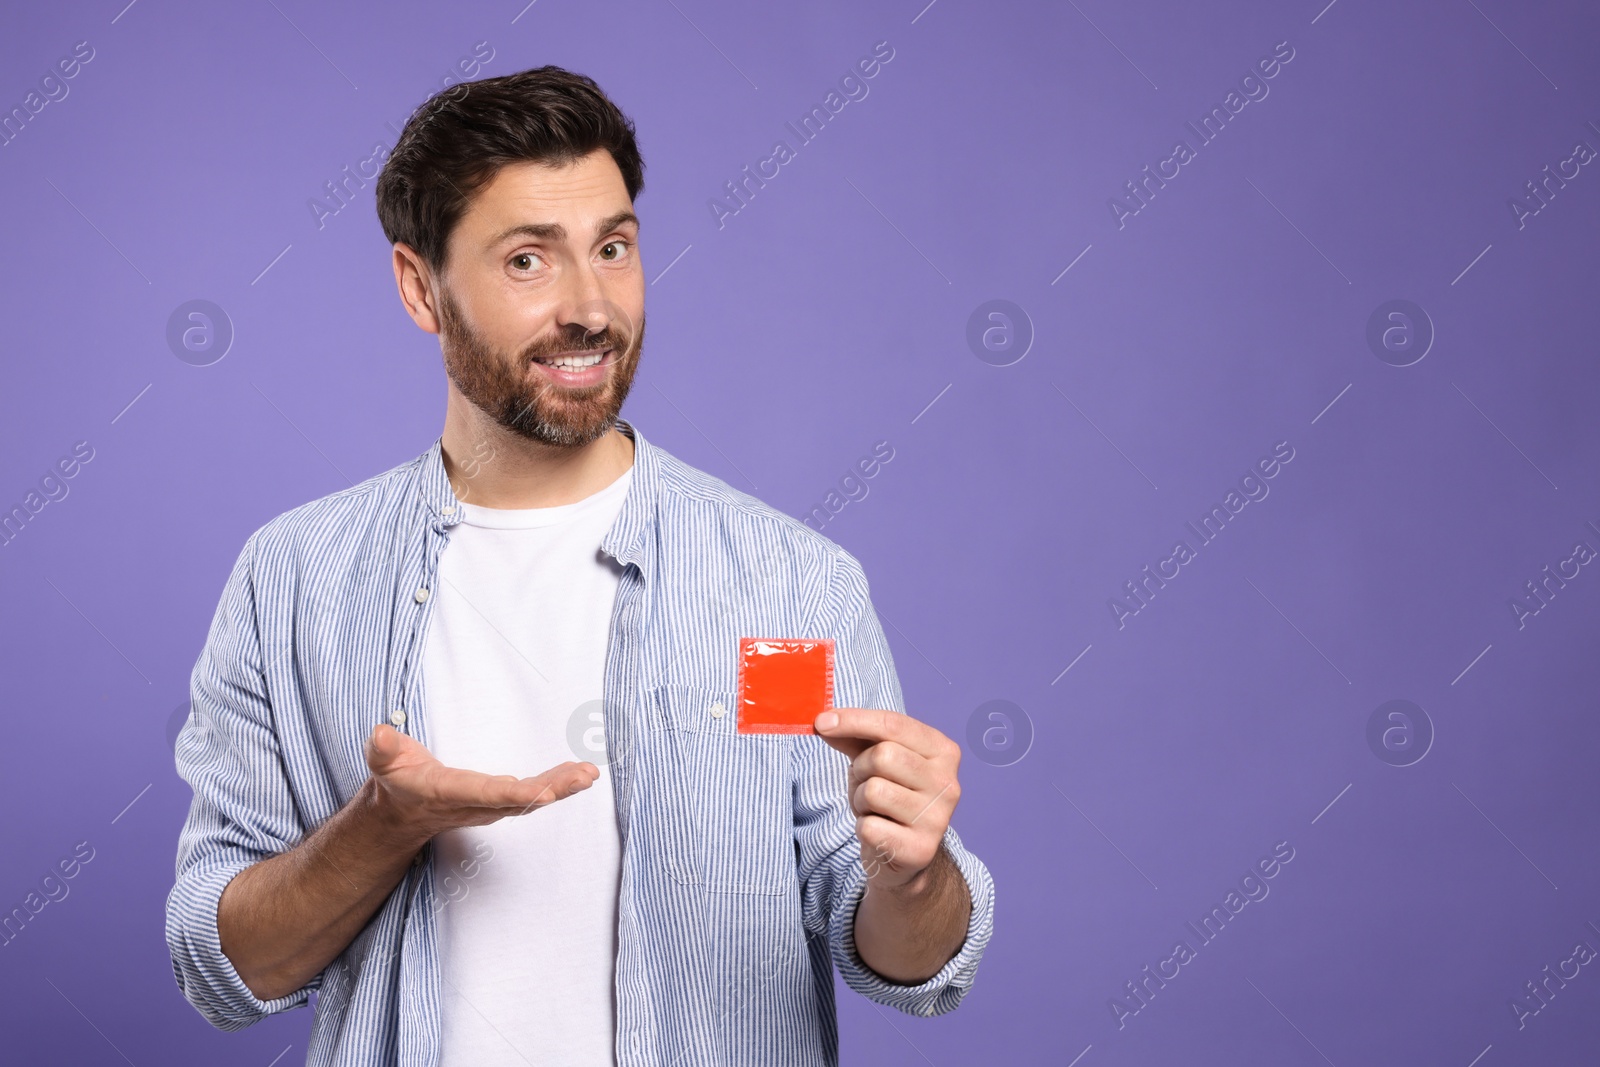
(493, 467)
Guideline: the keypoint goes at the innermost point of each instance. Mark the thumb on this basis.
(381, 745)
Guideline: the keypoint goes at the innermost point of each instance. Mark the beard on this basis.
(526, 401)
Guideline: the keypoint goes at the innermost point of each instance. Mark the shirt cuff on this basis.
(942, 992)
(204, 972)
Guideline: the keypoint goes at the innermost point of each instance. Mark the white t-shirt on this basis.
(513, 671)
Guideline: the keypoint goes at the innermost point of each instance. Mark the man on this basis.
(385, 805)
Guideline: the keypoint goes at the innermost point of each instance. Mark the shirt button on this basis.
(718, 711)
(421, 595)
(448, 509)
(398, 717)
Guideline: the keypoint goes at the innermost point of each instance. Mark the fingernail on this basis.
(827, 720)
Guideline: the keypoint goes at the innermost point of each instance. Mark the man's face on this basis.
(545, 263)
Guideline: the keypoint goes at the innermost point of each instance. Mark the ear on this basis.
(418, 287)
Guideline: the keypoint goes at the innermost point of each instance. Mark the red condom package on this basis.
(784, 684)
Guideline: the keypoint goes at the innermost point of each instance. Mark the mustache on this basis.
(576, 339)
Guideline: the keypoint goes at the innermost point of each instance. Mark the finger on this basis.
(457, 787)
(488, 797)
(923, 811)
(558, 784)
(879, 724)
(537, 797)
(879, 796)
(462, 788)
(894, 761)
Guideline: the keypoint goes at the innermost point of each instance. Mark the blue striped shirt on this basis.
(741, 869)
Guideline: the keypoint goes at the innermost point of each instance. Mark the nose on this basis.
(586, 304)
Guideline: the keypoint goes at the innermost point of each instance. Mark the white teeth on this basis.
(574, 362)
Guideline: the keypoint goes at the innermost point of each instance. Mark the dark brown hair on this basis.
(458, 139)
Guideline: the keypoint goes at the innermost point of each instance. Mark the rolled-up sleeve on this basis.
(243, 811)
(832, 877)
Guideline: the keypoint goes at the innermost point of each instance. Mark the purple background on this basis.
(830, 313)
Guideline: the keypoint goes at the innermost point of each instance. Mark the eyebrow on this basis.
(554, 231)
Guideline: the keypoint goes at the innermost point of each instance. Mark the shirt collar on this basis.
(625, 541)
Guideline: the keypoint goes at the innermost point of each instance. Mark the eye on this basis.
(524, 256)
(614, 257)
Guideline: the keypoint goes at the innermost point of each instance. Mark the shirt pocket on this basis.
(715, 805)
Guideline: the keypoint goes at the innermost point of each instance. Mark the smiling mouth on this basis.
(578, 369)
(575, 360)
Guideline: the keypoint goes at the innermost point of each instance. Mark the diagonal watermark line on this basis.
(490, 623)
(902, 1033)
(1302, 233)
(1474, 262)
(1069, 266)
(1324, 11)
(1480, 1056)
(314, 846)
(280, 1055)
(124, 11)
(1080, 1056)
(913, 644)
(1102, 433)
(932, 402)
(90, 1021)
(1513, 44)
(97, 629)
(487, 1022)
(131, 803)
(669, 266)
(1113, 44)
(745, 597)
(1301, 632)
(713, 44)
(1290, 1021)
(929, 804)
(901, 232)
(1474, 662)
(702, 433)
(1502, 433)
(274, 263)
(1071, 665)
(101, 232)
(1331, 803)
(1332, 402)
(924, 11)
(523, 12)
(1102, 833)
(1503, 834)
(301, 432)
(726, 1020)
(313, 44)
(132, 402)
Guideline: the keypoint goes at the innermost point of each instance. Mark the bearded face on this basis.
(566, 401)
